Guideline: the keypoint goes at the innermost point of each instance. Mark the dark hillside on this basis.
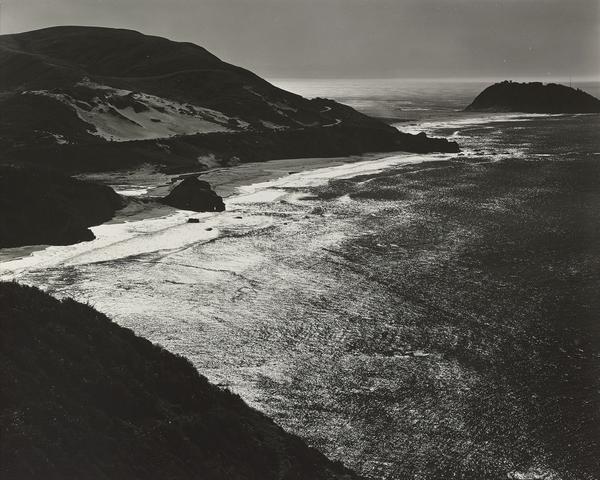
(43, 208)
(184, 154)
(91, 85)
(84, 398)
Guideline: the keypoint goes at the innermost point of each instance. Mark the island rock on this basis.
(534, 97)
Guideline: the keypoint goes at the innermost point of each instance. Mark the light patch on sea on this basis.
(275, 189)
(130, 190)
(467, 120)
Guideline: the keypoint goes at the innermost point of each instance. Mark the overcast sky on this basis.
(355, 38)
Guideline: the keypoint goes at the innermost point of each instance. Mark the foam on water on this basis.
(131, 191)
(320, 176)
(468, 121)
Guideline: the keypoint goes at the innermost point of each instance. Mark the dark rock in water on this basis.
(421, 143)
(43, 208)
(193, 220)
(534, 97)
(196, 195)
(318, 210)
(85, 398)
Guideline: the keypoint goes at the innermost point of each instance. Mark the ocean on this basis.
(397, 311)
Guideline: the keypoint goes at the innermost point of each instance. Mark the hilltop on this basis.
(68, 92)
(84, 398)
(534, 97)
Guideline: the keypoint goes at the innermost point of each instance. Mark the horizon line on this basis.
(556, 79)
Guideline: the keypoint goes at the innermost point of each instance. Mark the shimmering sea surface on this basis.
(291, 301)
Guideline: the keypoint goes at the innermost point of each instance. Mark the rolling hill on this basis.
(67, 92)
(84, 398)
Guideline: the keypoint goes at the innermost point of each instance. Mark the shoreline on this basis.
(146, 182)
(225, 181)
(149, 184)
(142, 227)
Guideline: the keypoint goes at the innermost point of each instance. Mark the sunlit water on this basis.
(260, 298)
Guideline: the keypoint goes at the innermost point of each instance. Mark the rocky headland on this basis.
(45, 208)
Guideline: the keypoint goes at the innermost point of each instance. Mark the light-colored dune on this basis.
(154, 118)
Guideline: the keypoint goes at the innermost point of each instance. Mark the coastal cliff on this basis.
(196, 195)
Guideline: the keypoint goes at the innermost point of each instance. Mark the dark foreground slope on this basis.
(84, 398)
(534, 97)
(70, 87)
(39, 208)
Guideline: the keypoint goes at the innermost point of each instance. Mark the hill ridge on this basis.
(67, 86)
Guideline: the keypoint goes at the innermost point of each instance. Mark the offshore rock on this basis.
(196, 195)
(534, 97)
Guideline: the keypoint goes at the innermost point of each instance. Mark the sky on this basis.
(355, 38)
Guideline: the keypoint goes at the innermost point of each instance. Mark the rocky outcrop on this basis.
(421, 143)
(85, 398)
(42, 208)
(196, 195)
(534, 97)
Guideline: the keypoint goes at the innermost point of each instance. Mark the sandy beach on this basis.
(142, 186)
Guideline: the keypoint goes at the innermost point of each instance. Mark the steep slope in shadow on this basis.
(84, 398)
